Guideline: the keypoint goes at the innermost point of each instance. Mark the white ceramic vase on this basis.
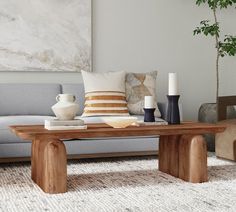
(65, 108)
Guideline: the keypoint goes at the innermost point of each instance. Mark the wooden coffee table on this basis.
(182, 150)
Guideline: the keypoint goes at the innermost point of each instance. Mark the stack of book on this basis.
(56, 124)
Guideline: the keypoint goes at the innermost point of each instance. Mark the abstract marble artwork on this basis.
(45, 35)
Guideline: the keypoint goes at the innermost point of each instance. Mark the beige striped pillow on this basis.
(104, 94)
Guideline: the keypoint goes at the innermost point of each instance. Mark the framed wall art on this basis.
(45, 35)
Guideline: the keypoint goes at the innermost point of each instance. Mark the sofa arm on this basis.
(163, 110)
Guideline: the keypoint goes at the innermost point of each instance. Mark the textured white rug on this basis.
(120, 185)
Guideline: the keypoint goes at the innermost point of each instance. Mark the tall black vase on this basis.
(173, 116)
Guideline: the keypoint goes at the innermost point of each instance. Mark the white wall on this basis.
(145, 35)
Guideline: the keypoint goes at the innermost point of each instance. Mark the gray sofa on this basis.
(31, 104)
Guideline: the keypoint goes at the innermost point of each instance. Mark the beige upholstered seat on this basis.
(226, 142)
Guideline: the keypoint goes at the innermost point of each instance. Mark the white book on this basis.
(158, 121)
(66, 127)
(56, 122)
(152, 123)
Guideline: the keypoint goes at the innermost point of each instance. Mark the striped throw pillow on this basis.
(105, 94)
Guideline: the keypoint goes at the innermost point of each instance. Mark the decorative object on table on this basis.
(173, 116)
(120, 121)
(33, 43)
(158, 121)
(84, 127)
(66, 107)
(139, 85)
(104, 94)
(149, 108)
(56, 123)
(227, 47)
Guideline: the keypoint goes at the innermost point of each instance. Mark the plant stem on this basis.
(217, 58)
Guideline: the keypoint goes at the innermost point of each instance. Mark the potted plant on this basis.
(225, 47)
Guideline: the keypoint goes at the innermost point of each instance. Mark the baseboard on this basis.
(83, 156)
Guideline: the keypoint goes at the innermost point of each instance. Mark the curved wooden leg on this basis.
(193, 159)
(49, 165)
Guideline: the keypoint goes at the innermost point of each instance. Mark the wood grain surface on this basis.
(49, 164)
(182, 149)
(28, 132)
(193, 159)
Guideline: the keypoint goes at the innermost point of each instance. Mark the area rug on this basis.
(128, 184)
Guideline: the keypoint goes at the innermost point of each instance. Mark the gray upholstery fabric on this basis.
(6, 136)
(28, 99)
(15, 150)
(78, 91)
(111, 145)
(75, 147)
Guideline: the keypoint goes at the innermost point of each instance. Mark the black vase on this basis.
(149, 114)
(173, 116)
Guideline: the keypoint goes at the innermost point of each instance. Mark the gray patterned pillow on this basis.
(139, 85)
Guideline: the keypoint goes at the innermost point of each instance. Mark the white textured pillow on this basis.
(104, 94)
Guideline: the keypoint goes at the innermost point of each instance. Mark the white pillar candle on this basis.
(149, 102)
(173, 84)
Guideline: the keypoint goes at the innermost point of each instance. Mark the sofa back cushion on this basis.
(78, 91)
(28, 99)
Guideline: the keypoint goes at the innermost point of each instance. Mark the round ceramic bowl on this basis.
(120, 121)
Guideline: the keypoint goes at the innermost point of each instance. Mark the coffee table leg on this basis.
(193, 159)
(184, 157)
(49, 165)
(169, 154)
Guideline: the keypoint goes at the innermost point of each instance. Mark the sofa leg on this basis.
(49, 165)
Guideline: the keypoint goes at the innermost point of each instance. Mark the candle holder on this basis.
(149, 114)
(173, 116)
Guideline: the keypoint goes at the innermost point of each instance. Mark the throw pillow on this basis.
(104, 94)
(139, 85)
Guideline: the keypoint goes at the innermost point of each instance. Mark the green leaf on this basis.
(228, 46)
(207, 29)
(214, 4)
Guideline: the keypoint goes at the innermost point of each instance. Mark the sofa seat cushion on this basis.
(6, 136)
